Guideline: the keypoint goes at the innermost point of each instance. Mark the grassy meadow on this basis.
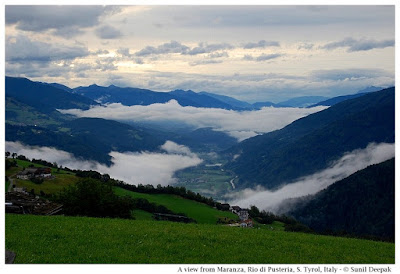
(59, 239)
(202, 213)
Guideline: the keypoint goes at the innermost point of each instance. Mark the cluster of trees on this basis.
(36, 161)
(10, 164)
(93, 174)
(90, 197)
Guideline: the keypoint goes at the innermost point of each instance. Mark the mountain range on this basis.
(135, 96)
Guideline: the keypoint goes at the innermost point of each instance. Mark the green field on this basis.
(59, 239)
(200, 212)
(142, 215)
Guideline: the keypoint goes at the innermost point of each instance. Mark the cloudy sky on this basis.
(253, 53)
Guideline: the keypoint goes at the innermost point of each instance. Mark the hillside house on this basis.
(38, 172)
(244, 216)
(26, 173)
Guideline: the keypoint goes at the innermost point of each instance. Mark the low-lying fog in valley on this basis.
(350, 163)
(239, 124)
(159, 168)
(131, 167)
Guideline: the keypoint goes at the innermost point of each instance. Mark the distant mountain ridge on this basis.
(229, 100)
(45, 97)
(334, 100)
(303, 101)
(370, 89)
(95, 94)
(135, 96)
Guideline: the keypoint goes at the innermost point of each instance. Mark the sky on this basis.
(252, 53)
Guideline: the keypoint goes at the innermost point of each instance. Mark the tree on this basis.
(14, 155)
(254, 211)
(8, 154)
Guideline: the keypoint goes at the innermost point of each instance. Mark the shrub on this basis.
(36, 180)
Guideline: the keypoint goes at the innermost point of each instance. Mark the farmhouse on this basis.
(31, 172)
(26, 173)
(244, 216)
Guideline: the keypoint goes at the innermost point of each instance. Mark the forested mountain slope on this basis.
(313, 142)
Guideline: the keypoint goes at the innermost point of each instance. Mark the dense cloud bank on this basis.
(131, 167)
(240, 125)
(350, 163)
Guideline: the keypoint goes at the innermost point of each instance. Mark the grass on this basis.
(277, 226)
(59, 239)
(202, 213)
(49, 186)
(142, 215)
(7, 184)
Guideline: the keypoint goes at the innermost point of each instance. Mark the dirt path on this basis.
(10, 186)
